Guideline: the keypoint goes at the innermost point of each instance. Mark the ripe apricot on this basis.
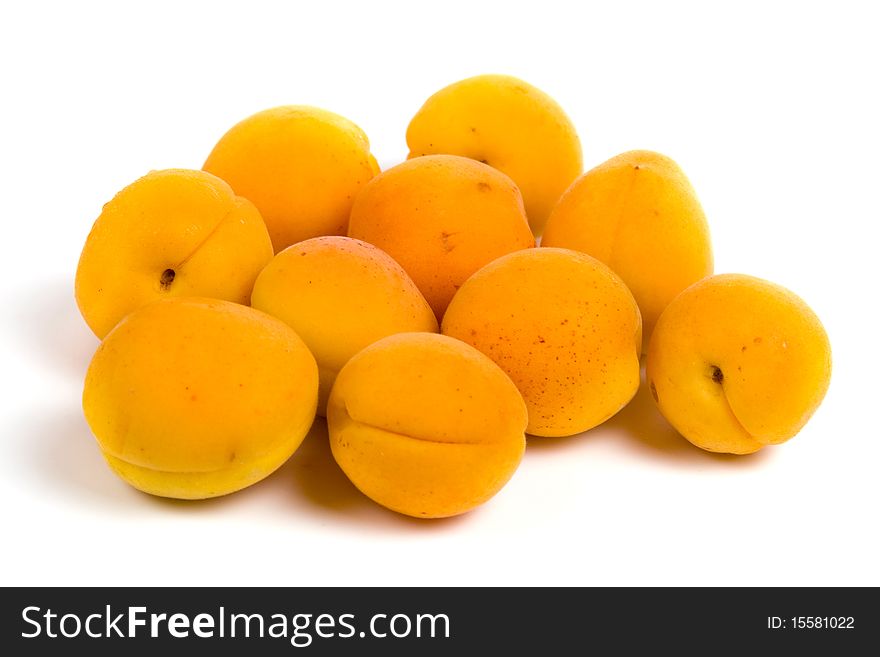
(563, 326)
(426, 425)
(301, 166)
(639, 214)
(171, 233)
(340, 295)
(737, 363)
(508, 124)
(192, 398)
(442, 217)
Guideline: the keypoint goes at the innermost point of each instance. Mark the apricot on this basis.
(639, 214)
(340, 295)
(737, 363)
(426, 425)
(301, 166)
(442, 217)
(171, 233)
(192, 398)
(563, 326)
(508, 124)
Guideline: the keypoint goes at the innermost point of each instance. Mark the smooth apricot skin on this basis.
(301, 166)
(737, 363)
(193, 398)
(565, 329)
(426, 425)
(340, 295)
(639, 214)
(442, 217)
(508, 124)
(174, 232)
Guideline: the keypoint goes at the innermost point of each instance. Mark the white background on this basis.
(771, 108)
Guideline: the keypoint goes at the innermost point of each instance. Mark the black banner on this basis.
(436, 621)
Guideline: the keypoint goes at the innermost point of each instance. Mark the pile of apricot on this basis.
(412, 307)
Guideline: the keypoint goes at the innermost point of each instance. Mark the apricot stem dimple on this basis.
(166, 279)
(717, 374)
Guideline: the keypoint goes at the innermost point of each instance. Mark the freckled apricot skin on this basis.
(639, 214)
(426, 425)
(174, 232)
(193, 398)
(340, 295)
(737, 363)
(508, 124)
(563, 326)
(301, 166)
(442, 217)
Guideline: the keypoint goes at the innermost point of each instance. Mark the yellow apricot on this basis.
(340, 295)
(174, 232)
(192, 398)
(639, 215)
(301, 166)
(508, 124)
(563, 326)
(737, 363)
(442, 217)
(426, 425)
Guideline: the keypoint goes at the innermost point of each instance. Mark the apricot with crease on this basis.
(426, 425)
(192, 398)
(175, 232)
(639, 214)
(737, 363)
